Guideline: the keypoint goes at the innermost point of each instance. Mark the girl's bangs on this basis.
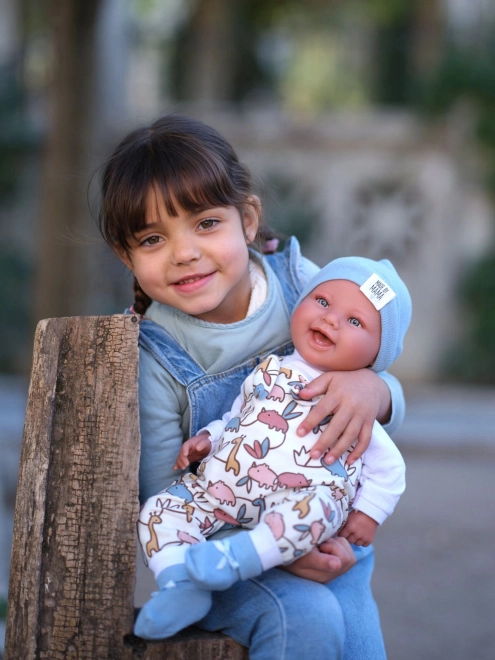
(194, 186)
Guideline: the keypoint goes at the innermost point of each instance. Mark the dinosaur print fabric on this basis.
(260, 471)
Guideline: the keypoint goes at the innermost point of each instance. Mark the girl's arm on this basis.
(161, 407)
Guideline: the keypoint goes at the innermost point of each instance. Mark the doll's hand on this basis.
(359, 528)
(325, 562)
(194, 449)
(356, 399)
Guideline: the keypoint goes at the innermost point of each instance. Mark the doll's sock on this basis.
(178, 603)
(217, 565)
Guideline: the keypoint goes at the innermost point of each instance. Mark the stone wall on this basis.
(385, 186)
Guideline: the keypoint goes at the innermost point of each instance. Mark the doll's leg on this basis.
(353, 590)
(279, 616)
(287, 530)
(167, 526)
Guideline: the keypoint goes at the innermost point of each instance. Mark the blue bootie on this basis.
(217, 565)
(177, 604)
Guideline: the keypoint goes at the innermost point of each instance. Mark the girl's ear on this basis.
(125, 258)
(252, 214)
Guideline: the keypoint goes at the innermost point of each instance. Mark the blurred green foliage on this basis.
(473, 360)
(468, 74)
(17, 140)
(289, 208)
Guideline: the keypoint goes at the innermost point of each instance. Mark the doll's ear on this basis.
(251, 217)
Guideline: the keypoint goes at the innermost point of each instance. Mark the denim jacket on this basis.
(210, 395)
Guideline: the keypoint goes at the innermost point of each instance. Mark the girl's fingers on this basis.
(329, 439)
(364, 438)
(317, 414)
(347, 438)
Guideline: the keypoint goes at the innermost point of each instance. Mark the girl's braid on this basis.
(141, 300)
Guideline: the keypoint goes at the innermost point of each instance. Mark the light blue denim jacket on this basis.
(182, 392)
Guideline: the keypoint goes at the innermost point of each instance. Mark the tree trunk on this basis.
(73, 560)
(61, 281)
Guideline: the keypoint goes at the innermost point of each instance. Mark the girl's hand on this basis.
(194, 449)
(356, 399)
(359, 528)
(324, 563)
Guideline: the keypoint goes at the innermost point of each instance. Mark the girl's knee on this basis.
(303, 619)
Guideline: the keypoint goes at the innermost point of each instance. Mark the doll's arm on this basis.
(355, 399)
(382, 480)
(193, 450)
(359, 529)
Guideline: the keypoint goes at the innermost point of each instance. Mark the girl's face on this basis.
(196, 262)
(336, 328)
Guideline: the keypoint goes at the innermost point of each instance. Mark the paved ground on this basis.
(435, 573)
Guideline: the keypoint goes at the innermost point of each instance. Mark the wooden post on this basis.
(73, 558)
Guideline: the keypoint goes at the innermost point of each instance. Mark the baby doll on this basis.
(259, 476)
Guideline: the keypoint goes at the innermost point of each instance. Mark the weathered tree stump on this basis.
(73, 558)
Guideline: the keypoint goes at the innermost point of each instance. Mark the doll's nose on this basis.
(332, 318)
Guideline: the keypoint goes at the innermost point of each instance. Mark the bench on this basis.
(73, 569)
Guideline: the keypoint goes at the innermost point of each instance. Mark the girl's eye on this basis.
(209, 223)
(322, 302)
(151, 240)
(354, 321)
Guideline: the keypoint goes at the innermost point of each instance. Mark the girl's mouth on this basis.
(193, 283)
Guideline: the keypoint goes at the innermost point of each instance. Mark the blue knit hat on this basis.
(382, 281)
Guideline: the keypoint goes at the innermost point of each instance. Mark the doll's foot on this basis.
(217, 565)
(178, 604)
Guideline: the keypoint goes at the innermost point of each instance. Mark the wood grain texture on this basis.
(73, 562)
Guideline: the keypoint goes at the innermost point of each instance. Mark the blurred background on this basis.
(370, 128)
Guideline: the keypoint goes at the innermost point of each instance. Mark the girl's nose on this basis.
(184, 251)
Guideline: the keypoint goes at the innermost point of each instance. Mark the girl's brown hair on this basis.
(188, 162)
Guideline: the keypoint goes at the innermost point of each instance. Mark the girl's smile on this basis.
(193, 282)
(196, 262)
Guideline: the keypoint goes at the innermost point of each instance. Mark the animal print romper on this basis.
(260, 471)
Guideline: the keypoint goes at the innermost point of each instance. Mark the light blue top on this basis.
(164, 405)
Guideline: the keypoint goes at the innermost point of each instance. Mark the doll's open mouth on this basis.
(321, 340)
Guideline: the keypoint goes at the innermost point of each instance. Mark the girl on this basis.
(178, 208)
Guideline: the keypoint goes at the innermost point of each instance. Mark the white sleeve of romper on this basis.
(382, 477)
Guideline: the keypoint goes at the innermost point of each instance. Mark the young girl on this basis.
(179, 210)
(256, 473)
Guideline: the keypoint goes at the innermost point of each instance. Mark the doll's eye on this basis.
(354, 321)
(322, 302)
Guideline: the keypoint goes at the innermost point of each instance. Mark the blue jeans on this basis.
(279, 616)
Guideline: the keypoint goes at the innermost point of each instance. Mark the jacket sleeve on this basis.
(162, 406)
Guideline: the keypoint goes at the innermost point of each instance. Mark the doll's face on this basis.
(336, 328)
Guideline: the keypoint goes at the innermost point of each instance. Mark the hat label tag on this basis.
(377, 291)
